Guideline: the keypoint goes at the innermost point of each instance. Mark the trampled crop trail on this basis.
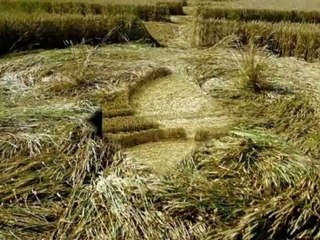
(175, 101)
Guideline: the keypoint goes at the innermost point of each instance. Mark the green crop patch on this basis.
(151, 135)
(127, 124)
(118, 112)
(116, 106)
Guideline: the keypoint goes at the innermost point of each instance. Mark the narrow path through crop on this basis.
(174, 101)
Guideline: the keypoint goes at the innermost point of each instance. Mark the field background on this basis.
(210, 129)
(272, 4)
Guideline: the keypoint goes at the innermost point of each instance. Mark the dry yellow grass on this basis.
(271, 4)
(34, 24)
(253, 14)
(285, 39)
(171, 152)
(226, 188)
(127, 2)
(47, 31)
(128, 124)
(132, 139)
(175, 101)
(275, 4)
(146, 10)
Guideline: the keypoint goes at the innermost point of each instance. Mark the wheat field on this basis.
(210, 119)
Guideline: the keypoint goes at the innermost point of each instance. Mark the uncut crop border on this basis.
(268, 15)
(299, 40)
